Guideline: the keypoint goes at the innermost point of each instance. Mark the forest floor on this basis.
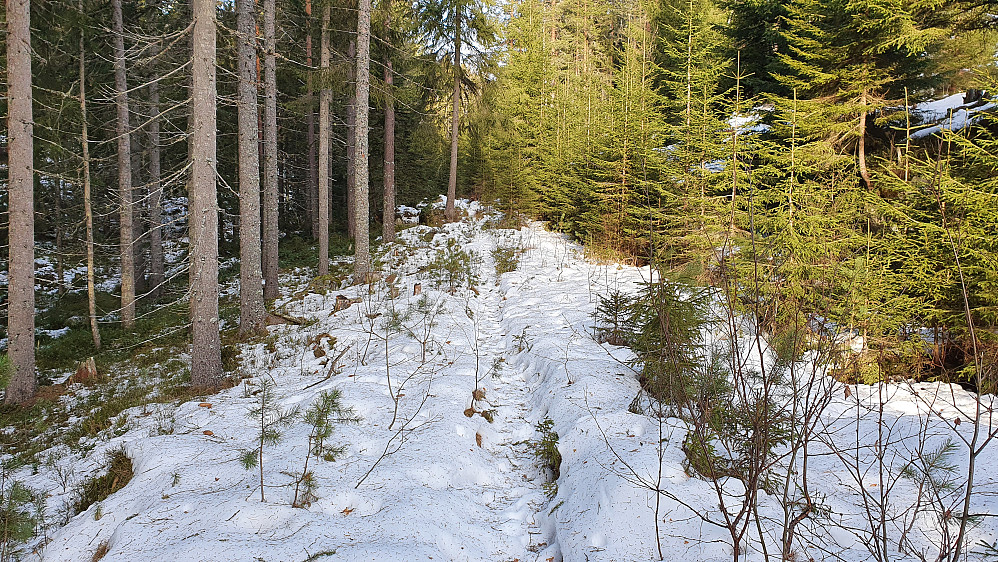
(450, 454)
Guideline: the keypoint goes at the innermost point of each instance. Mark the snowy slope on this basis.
(455, 487)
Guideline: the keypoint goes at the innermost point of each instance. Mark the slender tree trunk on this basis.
(388, 216)
(351, 194)
(313, 154)
(251, 310)
(138, 213)
(20, 190)
(323, 156)
(362, 258)
(87, 208)
(450, 213)
(206, 356)
(270, 195)
(124, 172)
(157, 269)
(863, 171)
(59, 281)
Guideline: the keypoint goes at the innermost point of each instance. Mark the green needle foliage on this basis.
(546, 451)
(270, 420)
(622, 124)
(321, 416)
(18, 517)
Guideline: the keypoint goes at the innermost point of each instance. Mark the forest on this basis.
(710, 277)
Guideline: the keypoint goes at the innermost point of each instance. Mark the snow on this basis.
(748, 123)
(947, 114)
(455, 487)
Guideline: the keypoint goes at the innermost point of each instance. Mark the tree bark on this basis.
(59, 251)
(270, 196)
(450, 213)
(124, 172)
(362, 258)
(138, 213)
(388, 215)
(20, 151)
(313, 151)
(206, 357)
(157, 268)
(863, 171)
(351, 194)
(251, 310)
(88, 211)
(323, 157)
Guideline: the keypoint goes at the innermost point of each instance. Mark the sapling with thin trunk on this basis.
(271, 419)
(326, 411)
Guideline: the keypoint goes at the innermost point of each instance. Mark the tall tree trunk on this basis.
(362, 258)
(388, 215)
(270, 196)
(206, 354)
(351, 194)
(449, 212)
(323, 156)
(124, 172)
(251, 310)
(138, 213)
(21, 207)
(88, 211)
(313, 154)
(863, 171)
(59, 277)
(157, 269)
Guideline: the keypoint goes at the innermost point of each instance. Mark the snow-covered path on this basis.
(449, 385)
(453, 484)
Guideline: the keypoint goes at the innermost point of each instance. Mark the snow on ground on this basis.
(426, 476)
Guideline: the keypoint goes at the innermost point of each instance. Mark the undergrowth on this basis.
(116, 473)
(20, 515)
(546, 451)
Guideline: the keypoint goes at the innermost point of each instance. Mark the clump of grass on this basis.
(117, 473)
(4, 370)
(24, 425)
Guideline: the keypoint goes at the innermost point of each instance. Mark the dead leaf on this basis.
(205, 404)
(478, 394)
(208, 432)
(469, 412)
(848, 392)
(956, 421)
(478, 439)
(347, 511)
